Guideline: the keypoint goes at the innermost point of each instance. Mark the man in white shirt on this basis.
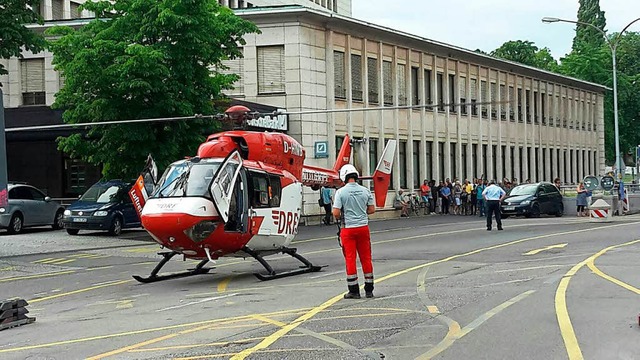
(493, 195)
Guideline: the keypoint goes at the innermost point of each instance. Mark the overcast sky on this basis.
(487, 24)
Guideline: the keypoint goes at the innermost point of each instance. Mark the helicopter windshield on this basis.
(187, 179)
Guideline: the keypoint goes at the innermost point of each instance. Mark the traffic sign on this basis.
(591, 183)
(321, 149)
(607, 183)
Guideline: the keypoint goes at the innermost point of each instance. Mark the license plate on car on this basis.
(509, 208)
(79, 219)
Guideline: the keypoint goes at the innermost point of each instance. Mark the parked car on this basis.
(105, 206)
(29, 207)
(532, 200)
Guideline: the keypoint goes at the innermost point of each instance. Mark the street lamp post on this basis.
(613, 46)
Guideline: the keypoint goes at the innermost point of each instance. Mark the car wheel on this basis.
(73, 231)
(535, 210)
(57, 221)
(116, 226)
(15, 225)
(560, 211)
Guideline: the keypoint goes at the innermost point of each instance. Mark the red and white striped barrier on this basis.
(625, 202)
(600, 213)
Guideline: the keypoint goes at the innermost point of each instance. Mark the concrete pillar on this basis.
(435, 151)
(48, 10)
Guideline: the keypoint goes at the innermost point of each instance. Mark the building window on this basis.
(452, 93)
(428, 153)
(463, 95)
(474, 160)
(483, 98)
(503, 102)
(387, 82)
(427, 88)
(519, 101)
(391, 185)
(504, 161)
(75, 11)
(403, 164)
(32, 71)
(372, 74)
(416, 164)
(271, 75)
(235, 66)
(513, 162)
(402, 85)
(512, 103)
(338, 74)
(373, 155)
(463, 162)
(543, 104)
(57, 9)
(528, 105)
(544, 166)
(494, 161)
(494, 107)
(453, 158)
(474, 97)
(440, 89)
(76, 173)
(415, 97)
(485, 172)
(535, 107)
(441, 160)
(356, 77)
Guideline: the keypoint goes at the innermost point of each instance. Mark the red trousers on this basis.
(357, 241)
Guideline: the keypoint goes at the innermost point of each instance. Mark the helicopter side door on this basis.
(223, 184)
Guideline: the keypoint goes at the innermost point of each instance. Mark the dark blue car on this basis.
(105, 206)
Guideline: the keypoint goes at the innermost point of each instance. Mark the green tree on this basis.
(525, 52)
(14, 14)
(587, 37)
(144, 59)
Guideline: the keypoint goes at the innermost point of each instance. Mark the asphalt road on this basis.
(547, 288)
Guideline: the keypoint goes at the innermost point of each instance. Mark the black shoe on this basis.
(488, 229)
(351, 295)
(500, 229)
(368, 295)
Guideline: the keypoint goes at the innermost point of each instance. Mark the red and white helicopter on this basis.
(241, 196)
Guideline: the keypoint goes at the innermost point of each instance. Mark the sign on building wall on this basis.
(4, 198)
(321, 149)
(272, 122)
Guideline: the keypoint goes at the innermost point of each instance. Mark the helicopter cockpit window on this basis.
(200, 178)
(265, 190)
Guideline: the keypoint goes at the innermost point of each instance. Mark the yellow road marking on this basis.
(50, 261)
(37, 276)
(8, 268)
(473, 325)
(598, 272)
(562, 313)
(62, 261)
(165, 337)
(79, 291)
(533, 252)
(42, 260)
(124, 304)
(222, 286)
(433, 309)
(100, 268)
(283, 331)
(531, 268)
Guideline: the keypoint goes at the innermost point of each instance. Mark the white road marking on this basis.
(197, 302)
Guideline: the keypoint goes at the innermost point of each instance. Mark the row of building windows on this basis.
(524, 154)
(500, 98)
(235, 4)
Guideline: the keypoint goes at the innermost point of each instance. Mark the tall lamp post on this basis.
(613, 45)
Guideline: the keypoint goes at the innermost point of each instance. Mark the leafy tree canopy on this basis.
(144, 59)
(14, 14)
(587, 37)
(525, 52)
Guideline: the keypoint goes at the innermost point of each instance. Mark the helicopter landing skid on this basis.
(199, 269)
(271, 274)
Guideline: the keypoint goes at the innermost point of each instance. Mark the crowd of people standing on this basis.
(451, 197)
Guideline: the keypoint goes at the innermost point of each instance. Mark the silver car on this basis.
(28, 207)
